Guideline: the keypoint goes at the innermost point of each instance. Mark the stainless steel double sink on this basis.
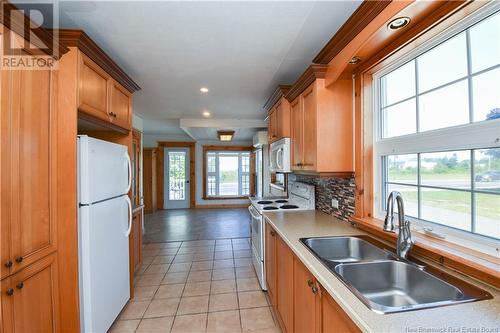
(385, 283)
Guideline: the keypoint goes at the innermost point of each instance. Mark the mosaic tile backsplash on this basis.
(342, 189)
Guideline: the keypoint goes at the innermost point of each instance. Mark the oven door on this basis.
(257, 232)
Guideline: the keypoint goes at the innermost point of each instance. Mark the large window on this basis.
(438, 128)
(227, 174)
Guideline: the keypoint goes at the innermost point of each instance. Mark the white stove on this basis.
(301, 198)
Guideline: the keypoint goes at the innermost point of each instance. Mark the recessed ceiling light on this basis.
(398, 23)
(204, 90)
(205, 114)
(355, 60)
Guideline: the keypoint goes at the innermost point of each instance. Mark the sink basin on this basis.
(384, 283)
(345, 249)
(394, 286)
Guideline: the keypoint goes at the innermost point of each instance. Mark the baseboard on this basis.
(223, 206)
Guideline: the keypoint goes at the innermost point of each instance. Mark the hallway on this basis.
(196, 224)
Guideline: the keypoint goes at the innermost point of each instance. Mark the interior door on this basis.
(176, 178)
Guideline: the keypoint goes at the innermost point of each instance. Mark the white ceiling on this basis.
(239, 50)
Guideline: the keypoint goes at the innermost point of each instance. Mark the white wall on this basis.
(151, 140)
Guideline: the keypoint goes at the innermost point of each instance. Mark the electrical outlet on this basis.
(335, 203)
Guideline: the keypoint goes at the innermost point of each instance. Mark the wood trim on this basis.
(192, 169)
(208, 148)
(78, 38)
(340, 174)
(103, 123)
(222, 206)
(44, 39)
(279, 92)
(472, 263)
(313, 72)
(365, 13)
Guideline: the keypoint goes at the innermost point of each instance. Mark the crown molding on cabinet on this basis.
(313, 72)
(361, 17)
(78, 38)
(41, 38)
(280, 91)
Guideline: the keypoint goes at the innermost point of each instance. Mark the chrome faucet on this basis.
(404, 242)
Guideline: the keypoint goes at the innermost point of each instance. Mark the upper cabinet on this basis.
(321, 124)
(103, 89)
(279, 115)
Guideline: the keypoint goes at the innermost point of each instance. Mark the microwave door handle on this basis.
(279, 153)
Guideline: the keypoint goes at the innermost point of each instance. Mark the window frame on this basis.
(480, 135)
(227, 149)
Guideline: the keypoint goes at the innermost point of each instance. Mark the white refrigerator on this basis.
(104, 224)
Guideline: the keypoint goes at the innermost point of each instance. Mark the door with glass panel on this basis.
(176, 178)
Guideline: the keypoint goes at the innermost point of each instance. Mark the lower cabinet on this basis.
(30, 297)
(135, 246)
(297, 299)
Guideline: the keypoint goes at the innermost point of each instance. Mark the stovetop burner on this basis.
(289, 207)
(264, 202)
(270, 208)
(281, 201)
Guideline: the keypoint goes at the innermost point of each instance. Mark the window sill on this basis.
(473, 263)
(225, 198)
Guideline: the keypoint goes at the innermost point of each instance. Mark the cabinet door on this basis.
(284, 258)
(5, 171)
(272, 125)
(32, 192)
(309, 114)
(120, 108)
(305, 298)
(30, 298)
(93, 89)
(297, 133)
(137, 240)
(270, 262)
(334, 319)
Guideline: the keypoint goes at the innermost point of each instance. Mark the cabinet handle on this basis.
(19, 259)
(310, 283)
(314, 289)
(10, 292)
(20, 285)
(114, 114)
(273, 233)
(8, 263)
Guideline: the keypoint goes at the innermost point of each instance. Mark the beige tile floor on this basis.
(197, 286)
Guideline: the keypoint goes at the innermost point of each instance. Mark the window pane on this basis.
(486, 95)
(487, 169)
(399, 84)
(410, 197)
(228, 175)
(485, 43)
(245, 163)
(245, 185)
(444, 107)
(176, 175)
(488, 215)
(446, 169)
(451, 208)
(402, 168)
(445, 63)
(400, 119)
(211, 158)
(211, 188)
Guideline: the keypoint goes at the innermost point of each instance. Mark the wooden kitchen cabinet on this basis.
(93, 89)
(121, 105)
(284, 268)
(278, 109)
(321, 125)
(30, 298)
(149, 177)
(307, 304)
(28, 172)
(270, 261)
(135, 245)
(333, 318)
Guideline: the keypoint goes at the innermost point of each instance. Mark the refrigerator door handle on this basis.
(129, 216)
(129, 162)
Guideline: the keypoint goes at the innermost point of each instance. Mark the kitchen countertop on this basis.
(481, 316)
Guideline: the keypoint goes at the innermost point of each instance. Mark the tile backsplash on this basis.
(341, 189)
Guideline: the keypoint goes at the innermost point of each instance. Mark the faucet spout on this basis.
(404, 241)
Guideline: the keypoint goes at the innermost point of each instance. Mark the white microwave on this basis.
(280, 156)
